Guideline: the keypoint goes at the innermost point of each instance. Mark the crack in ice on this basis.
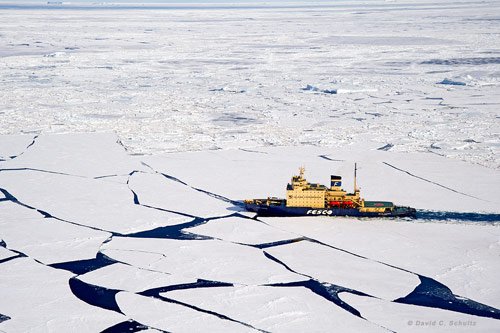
(25, 149)
(41, 170)
(432, 182)
(211, 194)
(200, 283)
(328, 291)
(325, 157)
(430, 293)
(45, 214)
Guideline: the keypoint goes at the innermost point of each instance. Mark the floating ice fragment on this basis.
(55, 55)
(325, 91)
(451, 82)
(4, 318)
(386, 147)
(231, 90)
(311, 88)
(332, 91)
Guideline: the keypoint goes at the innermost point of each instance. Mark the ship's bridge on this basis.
(300, 193)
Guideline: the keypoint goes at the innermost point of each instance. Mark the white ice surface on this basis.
(230, 83)
(129, 278)
(238, 230)
(95, 203)
(13, 145)
(409, 318)
(39, 299)
(283, 309)
(208, 259)
(179, 80)
(207, 79)
(5, 254)
(77, 154)
(462, 256)
(173, 317)
(478, 186)
(346, 270)
(266, 173)
(46, 239)
(157, 191)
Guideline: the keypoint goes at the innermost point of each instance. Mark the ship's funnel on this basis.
(335, 181)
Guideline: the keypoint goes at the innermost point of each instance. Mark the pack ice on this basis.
(94, 239)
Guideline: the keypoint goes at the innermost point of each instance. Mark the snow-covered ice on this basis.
(169, 249)
(348, 270)
(47, 239)
(159, 191)
(450, 252)
(204, 259)
(93, 203)
(130, 134)
(195, 79)
(38, 298)
(245, 231)
(409, 318)
(78, 155)
(275, 309)
(172, 317)
(133, 279)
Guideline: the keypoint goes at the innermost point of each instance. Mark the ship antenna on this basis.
(355, 171)
(301, 171)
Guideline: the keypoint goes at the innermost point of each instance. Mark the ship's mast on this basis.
(355, 185)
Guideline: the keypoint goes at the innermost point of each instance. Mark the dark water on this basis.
(452, 83)
(155, 292)
(173, 232)
(130, 326)
(19, 255)
(428, 293)
(387, 147)
(328, 291)
(431, 293)
(95, 295)
(4, 318)
(200, 283)
(278, 243)
(456, 216)
(326, 157)
(84, 266)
